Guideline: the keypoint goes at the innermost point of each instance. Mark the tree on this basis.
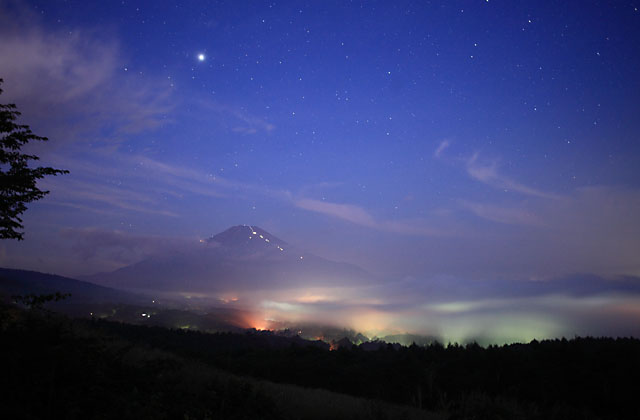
(33, 301)
(17, 180)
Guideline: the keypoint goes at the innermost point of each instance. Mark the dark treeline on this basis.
(578, 378)
(102, 369)
(57, 368)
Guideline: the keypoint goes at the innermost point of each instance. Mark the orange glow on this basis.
(371, 322)
(309, 298)
(627, 308)
(259, 324)
(225, 299)
(250, 320)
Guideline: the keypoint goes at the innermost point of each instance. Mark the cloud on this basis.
(507, 215)
(118, 247)
(361, 217)
(175, 180)
(94, 196)
(122, 182)
(189, 180)
(488, 174)
(594, 230)
(72, 84)
(445, 289)
(240, 120)
(494, 311)
(138, 183)
(444, 144)
(348, 212)
(203, 183)
(82, 251)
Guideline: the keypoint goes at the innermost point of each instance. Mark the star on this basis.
(201, 57)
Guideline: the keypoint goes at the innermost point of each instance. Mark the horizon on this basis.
(477, 159)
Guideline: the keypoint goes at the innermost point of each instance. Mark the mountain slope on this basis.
(22, 282)
(240, 258)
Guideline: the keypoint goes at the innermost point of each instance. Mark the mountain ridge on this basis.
(243, 257)
(21, 282)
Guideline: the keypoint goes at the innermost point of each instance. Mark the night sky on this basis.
(458, 149)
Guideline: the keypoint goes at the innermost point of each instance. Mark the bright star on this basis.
(201, 57)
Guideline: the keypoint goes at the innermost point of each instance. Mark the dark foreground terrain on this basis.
(58, 367)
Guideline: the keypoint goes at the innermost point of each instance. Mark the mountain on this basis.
(243, 241)
(22, 282)
(239, 259)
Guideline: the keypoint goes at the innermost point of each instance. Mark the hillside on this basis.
(22, 282)
(239, 259)
(166, 372)
(64, 368)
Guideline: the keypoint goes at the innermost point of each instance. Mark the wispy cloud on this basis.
(238, 119)
(73, 84)
(359, 216)
(171, 179)
(444, 144)
(592, 229)
(348, 212)
(119, 247)
(204, 183)
(91, 195)
(198, 182)
(487, 173)
(139, 183)
(507, 215)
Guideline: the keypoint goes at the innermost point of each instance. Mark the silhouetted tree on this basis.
(33, 301)
(17, 179)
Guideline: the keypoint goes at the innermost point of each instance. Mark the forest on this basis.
(61, 367)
